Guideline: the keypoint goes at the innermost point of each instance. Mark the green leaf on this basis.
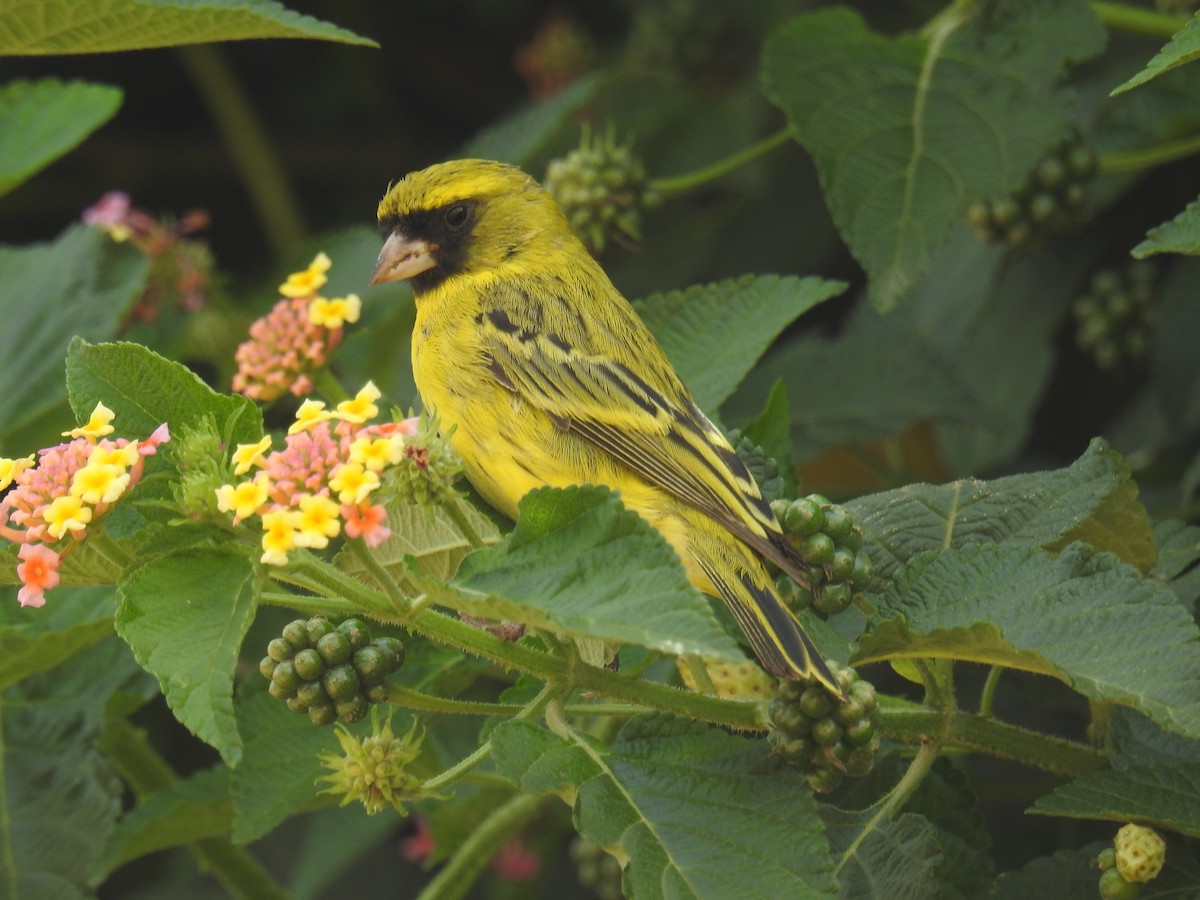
(23, 653)
(432, 543)
(1183, 48)
(521, 137)
(1082, 617)
(1178, 553)
(906, 131)
(31, 27)
(189, 810)
(1154, 779)
(1180, 235)
(579, 562)
(1073, 873)
(62, 797)
(145, 390)
(890, 859)
(698, 812)
(82, 285)
(715, 333)
(1087, 500)
(185, 614)
(771, 430)
(42, 120)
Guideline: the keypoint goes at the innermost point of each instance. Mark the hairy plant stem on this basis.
(417, 700)
(463, 868)
(261, 170)
(1148, 157)
(1135, 20)
(147, 772)
(954, 728)
(895, 798)
(988, 695)
(457, 512)
(399, 601)
(681, 184)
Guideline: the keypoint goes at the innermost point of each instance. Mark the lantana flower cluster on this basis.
(54, 496)
(321, 482)
(180, 265)
(296, 338)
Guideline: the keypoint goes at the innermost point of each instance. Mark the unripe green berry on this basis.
(374, 664)
(815, 702)
(1044, 209)
(804, 517)
(861, 759)
(832, 598)
(825, 780)
(838, 524)
(827, 732)
(309, 664)
(849, 711)
(1050, 172)
(1114, 887)
(795, 751)
(859, 734)
(266, 667)
(376, 693)
(864, 693)
(341, 683)
(841, 567)
(790, 691)
(357, 632)
(393, 644)
(285, 677)
(1006, 212)
(1106, 858)
(334, 648)
(279, 692)
(279, 650)
(864, 572)
(979, 214)
(817, 549)
(312, 693)
(789, 719)
(352, 710)
(296, 633)
(317, 627)
(296, 705)
(796, 597)
(322, 715)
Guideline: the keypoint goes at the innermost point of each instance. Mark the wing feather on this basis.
(655, 429)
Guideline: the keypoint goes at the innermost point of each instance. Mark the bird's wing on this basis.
(655, 429)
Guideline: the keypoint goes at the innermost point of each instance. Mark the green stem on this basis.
(458, 515)
(700, 676)
(410, 699)
(1148, 157)
(401, 604)
(463, 868)
(953, 728)
(1121, 17)
(988, 695)
(481, 755)
(260, 168)
(313, 606)
(327, 385)
(896, 797)
(147, 772)
(8, 869)
(681, 184)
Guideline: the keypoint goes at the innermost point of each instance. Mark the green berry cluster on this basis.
(602, 189)
(1116, 316)
(330, 672)
(1049, 201)
(824, 737)
(825, 536)
(597, 869)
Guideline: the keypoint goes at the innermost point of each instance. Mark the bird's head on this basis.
(463, 217)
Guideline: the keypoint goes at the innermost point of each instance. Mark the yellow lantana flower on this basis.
(317, 522)
(353, 483)
(247, 456)
(309, 414)
(362, 407)
(279, 536)
(96, 484)
(336, 312)
(66, 513)
(378, 453)
(11, 468)
(244, 500)
(308, 282)
(97, 426)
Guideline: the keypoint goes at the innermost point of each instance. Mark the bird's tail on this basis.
(777, 638)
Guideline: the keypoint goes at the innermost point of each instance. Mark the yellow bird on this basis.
(550, 378)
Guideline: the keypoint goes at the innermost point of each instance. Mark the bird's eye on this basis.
(457, 215)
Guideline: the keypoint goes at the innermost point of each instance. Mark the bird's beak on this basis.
(403, 257)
